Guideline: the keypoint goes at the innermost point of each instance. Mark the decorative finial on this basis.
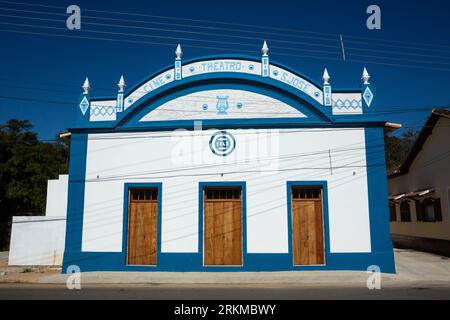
(86, 86)
(365, 76)
(265, 49)
(178, 52)
(326, 76)
(121, 84)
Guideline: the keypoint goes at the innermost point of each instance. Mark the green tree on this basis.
(25, 166)
(397, 149)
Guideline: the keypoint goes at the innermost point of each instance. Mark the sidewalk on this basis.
(412, 267)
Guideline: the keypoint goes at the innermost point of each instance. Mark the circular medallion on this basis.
(222, 143)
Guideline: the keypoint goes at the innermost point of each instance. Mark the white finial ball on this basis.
(265, 49)
(86, 86)
(365, 76)
(178, 52)
(326, 77)
(121, 84)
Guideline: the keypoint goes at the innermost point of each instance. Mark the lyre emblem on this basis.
(222, 105)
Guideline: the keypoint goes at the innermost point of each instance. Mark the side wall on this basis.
(37, 241)
(56, 205)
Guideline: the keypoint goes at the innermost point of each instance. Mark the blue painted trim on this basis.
(378, 201)
(75, 197)
(326, 229)
(127, 187)
(282, 123)
(346, 90)
(201, 186)
(95, 98)
(192, 262)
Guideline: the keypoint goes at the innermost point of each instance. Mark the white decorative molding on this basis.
(221, 65)
(297, 82)
(347, 103)
(152, 84)
(103, 110)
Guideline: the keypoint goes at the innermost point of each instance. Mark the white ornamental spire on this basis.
(178, 52)
(365, 76)
(86, 86)
(265, 49)
(121, 84)
(326, 77)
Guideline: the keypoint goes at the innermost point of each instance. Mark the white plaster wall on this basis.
(37, 240)
(182, 159)
(57, 197)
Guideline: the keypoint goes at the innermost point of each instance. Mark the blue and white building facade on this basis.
(229, 121)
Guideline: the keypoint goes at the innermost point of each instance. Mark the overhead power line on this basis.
(172, 29)
(325, 55)
(154, 36)
(121, 13)
(284, 31)
(291, 32)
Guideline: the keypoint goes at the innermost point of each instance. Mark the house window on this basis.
(405, 214)
(431, 210)
(419, 209)
(428, 210)
(392, 212)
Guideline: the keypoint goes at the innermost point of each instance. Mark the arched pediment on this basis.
(220, 89)
(223, 102)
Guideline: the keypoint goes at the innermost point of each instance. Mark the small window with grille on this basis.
(222, 193)
(143, 194)
(306, 193)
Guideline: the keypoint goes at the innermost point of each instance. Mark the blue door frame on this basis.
(323, 185)
(201, 187)
(126, 200)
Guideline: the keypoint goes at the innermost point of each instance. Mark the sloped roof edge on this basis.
(421, 139)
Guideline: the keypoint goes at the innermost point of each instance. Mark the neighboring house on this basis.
(420, 190)
(228, 163)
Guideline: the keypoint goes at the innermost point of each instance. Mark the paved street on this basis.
(419, 276)
(188, 292)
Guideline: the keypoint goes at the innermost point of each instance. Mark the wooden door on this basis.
(307, 226)
(142, 226)
(222, 226)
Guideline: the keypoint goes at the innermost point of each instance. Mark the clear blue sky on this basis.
(52, 68)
